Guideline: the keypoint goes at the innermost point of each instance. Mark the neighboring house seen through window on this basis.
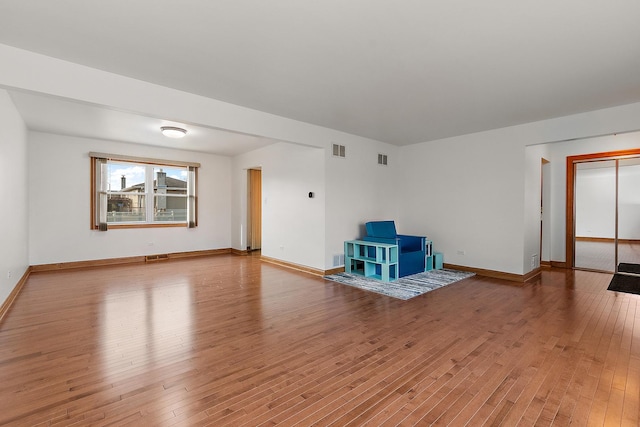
(135, 192)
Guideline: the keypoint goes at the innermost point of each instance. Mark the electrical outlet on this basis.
(460, 252)
(9, 274)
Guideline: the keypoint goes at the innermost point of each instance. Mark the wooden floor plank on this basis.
(230, 340)
(631, 404)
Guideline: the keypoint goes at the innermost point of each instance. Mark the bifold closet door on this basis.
(629, 211)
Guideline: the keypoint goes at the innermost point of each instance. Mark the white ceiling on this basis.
(64, 117)
(397, 71)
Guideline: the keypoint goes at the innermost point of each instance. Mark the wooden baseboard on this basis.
(38, 268)
(511, 278)
(532, 275)
(314, 271)
(193, 254)
(559, 264)
(546, 265)
(126, 260)
(334, 271)
(303, 268)
(553, 264)
(521, 279)
(6, 305)
(518, 279)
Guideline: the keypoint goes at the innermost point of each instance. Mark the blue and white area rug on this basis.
(405, 287)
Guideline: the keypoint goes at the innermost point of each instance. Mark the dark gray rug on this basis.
(625, 283)
(405, 287)
(625, 267)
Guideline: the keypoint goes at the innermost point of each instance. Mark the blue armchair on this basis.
(411, 257)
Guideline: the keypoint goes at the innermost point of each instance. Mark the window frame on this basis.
(192, 184)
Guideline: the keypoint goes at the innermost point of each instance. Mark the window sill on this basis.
(146, 225)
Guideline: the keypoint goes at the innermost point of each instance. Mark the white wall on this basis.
(467, 196)
(348, 192)
(73, 81)
(466, 192)
(14, 254)
(532, 201)
(360, 190)
(558, 153)
(479, 193)
(59, 199)
(546, 205)
(292, 223)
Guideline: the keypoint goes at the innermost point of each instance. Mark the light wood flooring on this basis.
(230, 340)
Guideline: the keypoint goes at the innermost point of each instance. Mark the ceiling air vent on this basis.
(338, 150)
(382, 159)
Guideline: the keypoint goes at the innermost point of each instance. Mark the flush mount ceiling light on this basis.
(173, 132)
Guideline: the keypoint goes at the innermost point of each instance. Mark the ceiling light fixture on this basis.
(173, 132)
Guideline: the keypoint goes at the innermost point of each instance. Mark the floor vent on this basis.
(153, 258)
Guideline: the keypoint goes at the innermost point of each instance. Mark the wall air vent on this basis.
(339, 150)
(382, 159)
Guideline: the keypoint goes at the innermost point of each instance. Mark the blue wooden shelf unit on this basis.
(432, 260)
(371, 259)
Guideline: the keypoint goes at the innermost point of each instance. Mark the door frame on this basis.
(570, 206)
(254, 208)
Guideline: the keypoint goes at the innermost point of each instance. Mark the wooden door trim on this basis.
(569, 214)
(254, 208)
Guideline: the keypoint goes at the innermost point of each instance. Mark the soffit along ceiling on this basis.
(400, 72)
(65, 117)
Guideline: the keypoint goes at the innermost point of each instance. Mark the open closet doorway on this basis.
(254, 209)
(603, 210)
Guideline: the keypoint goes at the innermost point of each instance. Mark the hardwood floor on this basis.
(229, 340)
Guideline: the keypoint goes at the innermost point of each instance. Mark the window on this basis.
(139, 192)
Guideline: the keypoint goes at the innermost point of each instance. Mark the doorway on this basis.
(254, 211)
(603, 210)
